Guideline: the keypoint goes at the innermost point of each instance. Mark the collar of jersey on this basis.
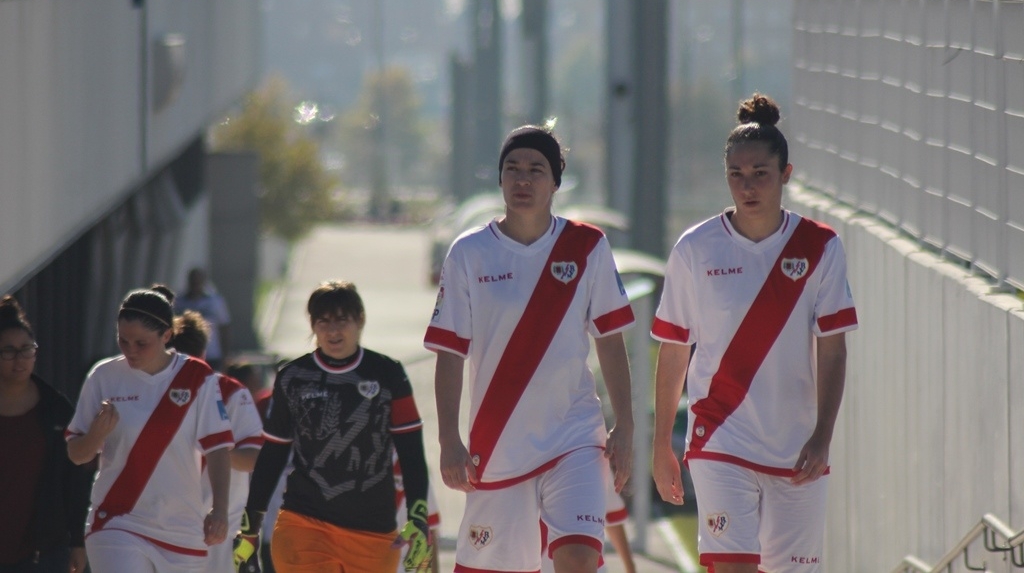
(764, 244)
(332, 370)
(540, 244)
(172, 367)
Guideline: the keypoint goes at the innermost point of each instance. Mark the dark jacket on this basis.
(62, 499)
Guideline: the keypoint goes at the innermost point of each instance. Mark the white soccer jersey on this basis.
(247, 428)
(753, 310)
(521, 314)
(158, 496)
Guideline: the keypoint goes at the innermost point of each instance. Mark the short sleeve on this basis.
(674, 319)
(450, 326)
(834, 309)
(87, 407)
(609, 310)
(245, 420)
(213, 428)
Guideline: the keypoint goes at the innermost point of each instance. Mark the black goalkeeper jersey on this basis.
(341, 424)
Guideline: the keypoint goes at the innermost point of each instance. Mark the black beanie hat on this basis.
(534, 137)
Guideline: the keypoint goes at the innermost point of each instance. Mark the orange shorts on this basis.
(305, 545)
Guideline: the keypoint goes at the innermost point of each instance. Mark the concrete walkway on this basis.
(390, 268)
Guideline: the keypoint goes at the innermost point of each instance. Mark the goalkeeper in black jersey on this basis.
(340, 410)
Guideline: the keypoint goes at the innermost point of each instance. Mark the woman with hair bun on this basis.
(762, 292)
(45, 497)
(152, 414)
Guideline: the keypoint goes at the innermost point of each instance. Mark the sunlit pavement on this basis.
(390, 269)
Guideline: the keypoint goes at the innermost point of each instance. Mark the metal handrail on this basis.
(992, 529)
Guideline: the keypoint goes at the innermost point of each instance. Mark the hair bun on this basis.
(759, 108)
(10, 309)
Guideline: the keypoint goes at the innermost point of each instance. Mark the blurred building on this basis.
(104, 105)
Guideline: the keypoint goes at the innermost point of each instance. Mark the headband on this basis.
(534, 138)
(147, 313)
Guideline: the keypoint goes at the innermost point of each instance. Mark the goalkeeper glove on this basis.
(417, 534)
(246, 553)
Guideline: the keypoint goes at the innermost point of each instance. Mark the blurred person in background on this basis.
(191, 332)
(201, 297)
(44, 496)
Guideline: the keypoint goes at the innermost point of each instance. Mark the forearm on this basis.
(78, 486)
(448, 395)
(82, 449)
(218, 466)
(831, 382)
(669, 379)
(270, 464)
(409, 447)
(244, 459)
(611, 355)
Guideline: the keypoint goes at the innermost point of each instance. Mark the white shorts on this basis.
(615, 514)
(753, 517)
(117, 551)
(500, 530)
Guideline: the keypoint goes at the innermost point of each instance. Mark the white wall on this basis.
(930, 432)
(71, 120)
(78, 132)
(912, 111)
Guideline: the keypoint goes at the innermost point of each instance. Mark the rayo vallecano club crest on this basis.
(480, 536)
(564, 271)
(179, 396)
(795, 268)
(369, 388)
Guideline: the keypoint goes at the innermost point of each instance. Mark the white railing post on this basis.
(640, 292)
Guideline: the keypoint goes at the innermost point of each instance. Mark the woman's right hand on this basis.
(105, 421)
(667, 475)
(457, 469)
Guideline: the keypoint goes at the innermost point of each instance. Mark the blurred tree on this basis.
(296, 188)
(389, 102)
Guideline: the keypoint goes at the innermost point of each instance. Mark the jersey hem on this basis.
(707, 559)
(738, 461)
(161, 544)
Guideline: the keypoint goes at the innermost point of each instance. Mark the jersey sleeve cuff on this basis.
(267, 437)
(842, 321)
(446, 340)
(615, 321)
(665, 331)
(217, 441)
(250, 442)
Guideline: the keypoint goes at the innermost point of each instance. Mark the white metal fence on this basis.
(913, 111)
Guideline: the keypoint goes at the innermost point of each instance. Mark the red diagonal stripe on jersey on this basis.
(530, 339)
(149, 446)
(757, 332)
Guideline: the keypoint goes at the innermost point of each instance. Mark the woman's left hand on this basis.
(215, 528)
(77, 561)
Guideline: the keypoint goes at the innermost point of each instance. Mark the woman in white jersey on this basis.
(521, 298)
(762, 292)
(151, 414)
(191, 337)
